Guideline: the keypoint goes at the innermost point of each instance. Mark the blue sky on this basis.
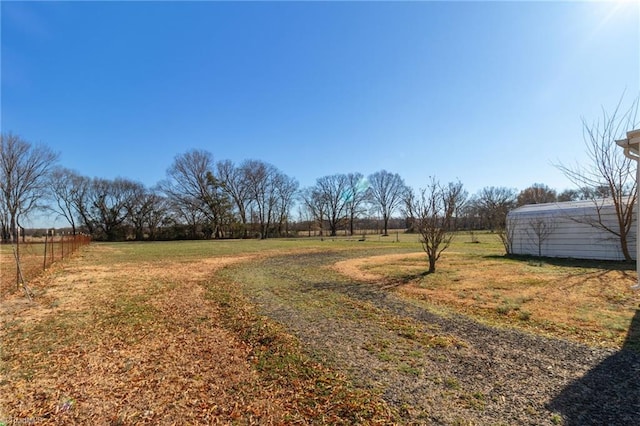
(491, 93)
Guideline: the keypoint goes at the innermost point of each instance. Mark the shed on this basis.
(566, 230)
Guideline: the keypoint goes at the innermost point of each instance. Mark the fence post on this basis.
(44, 264)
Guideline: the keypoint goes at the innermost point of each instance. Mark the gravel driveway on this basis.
(437, 368)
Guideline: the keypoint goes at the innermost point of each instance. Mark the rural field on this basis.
(310, 331)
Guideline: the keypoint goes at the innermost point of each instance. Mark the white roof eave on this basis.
(631, 144)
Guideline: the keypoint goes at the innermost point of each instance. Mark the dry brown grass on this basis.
(127, 344)
(120, 342)
(594, 305)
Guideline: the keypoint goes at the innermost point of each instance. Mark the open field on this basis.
(320, 332)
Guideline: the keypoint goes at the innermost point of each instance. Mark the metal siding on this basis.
(569, 238)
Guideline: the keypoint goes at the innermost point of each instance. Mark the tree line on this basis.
(201, 198)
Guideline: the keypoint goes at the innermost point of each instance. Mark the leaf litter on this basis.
(144, 344)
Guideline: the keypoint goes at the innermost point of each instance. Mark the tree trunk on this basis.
(432, 264)
(351, 224)
(625, 248)
(386, 224)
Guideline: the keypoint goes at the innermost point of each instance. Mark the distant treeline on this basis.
(204, 199)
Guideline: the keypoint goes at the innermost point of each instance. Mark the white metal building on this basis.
(566, 230)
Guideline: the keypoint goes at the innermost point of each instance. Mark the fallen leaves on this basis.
(145, 344)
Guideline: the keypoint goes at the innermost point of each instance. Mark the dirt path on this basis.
(437, 368)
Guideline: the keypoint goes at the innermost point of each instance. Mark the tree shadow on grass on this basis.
(616, 265)
(609, 393)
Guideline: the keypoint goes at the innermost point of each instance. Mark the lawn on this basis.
(214, 331)
(586, 301)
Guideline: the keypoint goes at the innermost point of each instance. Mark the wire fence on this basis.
(24, 261)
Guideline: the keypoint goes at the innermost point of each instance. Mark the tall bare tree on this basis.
(334, 189)
(24, 169)
(65, 186)
(609, 171)
(261, 180)
(108, 200)
(235, 185)
(316, 204)
(492, 204)
(81, 199)
(191, 182)
(146, 209)
(387, 191)
(433, 213)
(157, 214)
(286, 188)
(356, 196)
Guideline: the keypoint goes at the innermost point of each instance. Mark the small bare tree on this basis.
(539, 231)
(433, 213)
(609, 171)
(507, 235)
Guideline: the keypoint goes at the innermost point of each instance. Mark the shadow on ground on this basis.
(608, 394)
(613, 265)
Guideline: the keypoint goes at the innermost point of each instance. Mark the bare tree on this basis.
(24, 170)
(333, 190)
(235, 185)
(316, 204)
(286, 188)
(356, 196)
(492, 204)
(386, 192)
(185, 212)
(539, 230)
(507, 235)
(270, 192)
(260, 178)
(609, 171)
(108, 200)
(191, 182)
(146, 209)
(433, 213)
(80, 195)
(157, 214)
(538, 193)
(65, 185)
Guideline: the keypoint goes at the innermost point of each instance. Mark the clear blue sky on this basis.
(491, 93)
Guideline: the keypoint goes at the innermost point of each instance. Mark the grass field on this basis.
(587, 301)
(188, 332)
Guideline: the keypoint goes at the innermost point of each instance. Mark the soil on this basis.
(486, 376)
